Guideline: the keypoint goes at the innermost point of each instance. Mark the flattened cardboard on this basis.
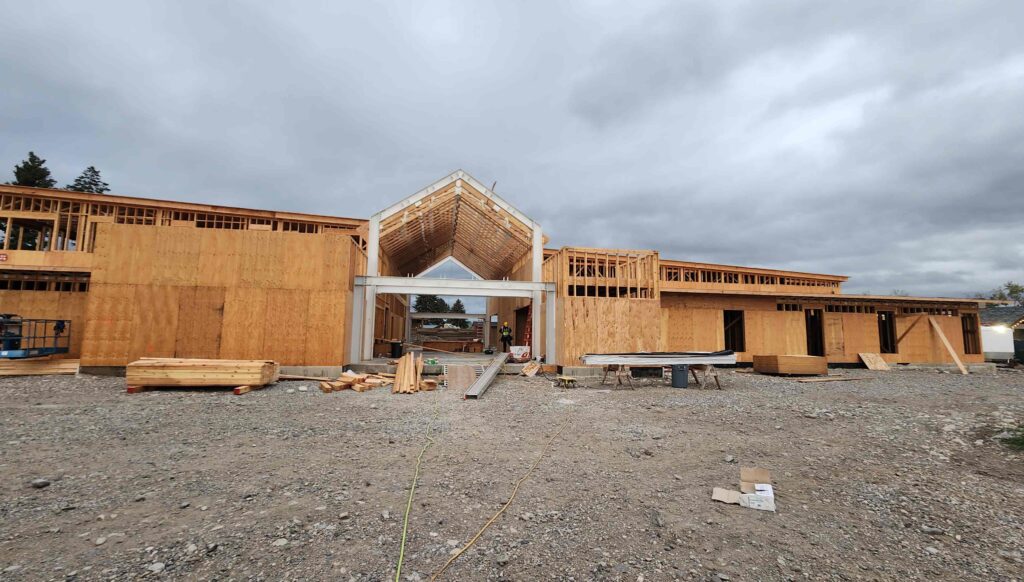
(751, 476)
(725, 495)
(756, 487)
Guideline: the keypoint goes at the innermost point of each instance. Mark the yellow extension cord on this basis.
(503, 507)
(412, 489)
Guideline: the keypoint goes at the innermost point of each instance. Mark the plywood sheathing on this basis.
(170, 292)
(694, 322)
(460, 221)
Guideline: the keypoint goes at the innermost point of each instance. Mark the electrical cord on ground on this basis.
(503, 507)
(412, 488)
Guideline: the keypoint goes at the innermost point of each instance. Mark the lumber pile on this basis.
(37, 367)
(199, 372)
(802, 365)
(407, 379)
(358, 382)
(409, 376)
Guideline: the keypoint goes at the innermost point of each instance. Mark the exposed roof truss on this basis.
(458, 217)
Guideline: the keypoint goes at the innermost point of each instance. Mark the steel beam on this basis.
(483, 288)
(428, 315)
(484, 381)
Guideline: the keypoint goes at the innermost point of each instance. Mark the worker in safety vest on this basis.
(506, 337)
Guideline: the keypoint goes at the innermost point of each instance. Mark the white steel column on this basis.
(535, 307)
(408, 320)
(355, 344)
(369, 319)
(373, 247)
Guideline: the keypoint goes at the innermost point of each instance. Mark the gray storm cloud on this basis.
(878, 140)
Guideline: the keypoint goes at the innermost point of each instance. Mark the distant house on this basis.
(1002, 332)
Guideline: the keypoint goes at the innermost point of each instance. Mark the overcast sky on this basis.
(880, 140)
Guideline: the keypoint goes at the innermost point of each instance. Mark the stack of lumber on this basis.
(197, 372)
(358, 382)
(37, 367)
(803, 365)
(409, 376)
(407, 379)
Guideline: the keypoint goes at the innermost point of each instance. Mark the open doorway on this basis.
(815, 332)
(734, 333)
(887, 332)
(519, 326)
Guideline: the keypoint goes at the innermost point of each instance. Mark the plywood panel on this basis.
(775, 332)
(693, 329)
(835, 344)
(154, 322)
(285, 331)
(245, 314)
(861, 333)
(325, 334)
(220, 294)
(109, 324)
(598, 324)
(200, 317)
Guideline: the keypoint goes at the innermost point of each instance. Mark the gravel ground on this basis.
(894, 476)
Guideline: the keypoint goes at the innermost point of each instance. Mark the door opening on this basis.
(734, 332)
(519, 326)
(887, 332)
(815, 332)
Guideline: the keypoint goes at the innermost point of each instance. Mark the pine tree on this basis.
(431, 304)
(33, 172)
(89, 181)
(458, 307)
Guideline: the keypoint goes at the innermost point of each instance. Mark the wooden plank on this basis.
(35, 367)
(809, 380)
(874, 361)
(460, 378)
(945, 342)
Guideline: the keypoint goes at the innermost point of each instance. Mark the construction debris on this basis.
(350, 380)
(530, 369)
(874, 362)
(756, 491)
(149, 372)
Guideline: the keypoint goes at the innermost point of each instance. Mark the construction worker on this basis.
(506, 337)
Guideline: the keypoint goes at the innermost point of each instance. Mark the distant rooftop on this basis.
(1008, 315)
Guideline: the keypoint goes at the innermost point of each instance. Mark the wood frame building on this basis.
(141, 277)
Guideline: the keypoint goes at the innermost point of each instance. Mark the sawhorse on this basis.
(621, 372)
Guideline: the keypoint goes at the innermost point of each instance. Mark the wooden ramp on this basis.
(484, 381)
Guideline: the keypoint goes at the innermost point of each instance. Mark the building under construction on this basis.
(150, 278)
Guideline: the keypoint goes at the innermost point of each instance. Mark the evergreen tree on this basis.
(458, 307)
(89, 181)
(33, 172)
(431, 304)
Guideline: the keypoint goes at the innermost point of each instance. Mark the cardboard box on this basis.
(756, 490)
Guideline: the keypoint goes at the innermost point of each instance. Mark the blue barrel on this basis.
(679, 375)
